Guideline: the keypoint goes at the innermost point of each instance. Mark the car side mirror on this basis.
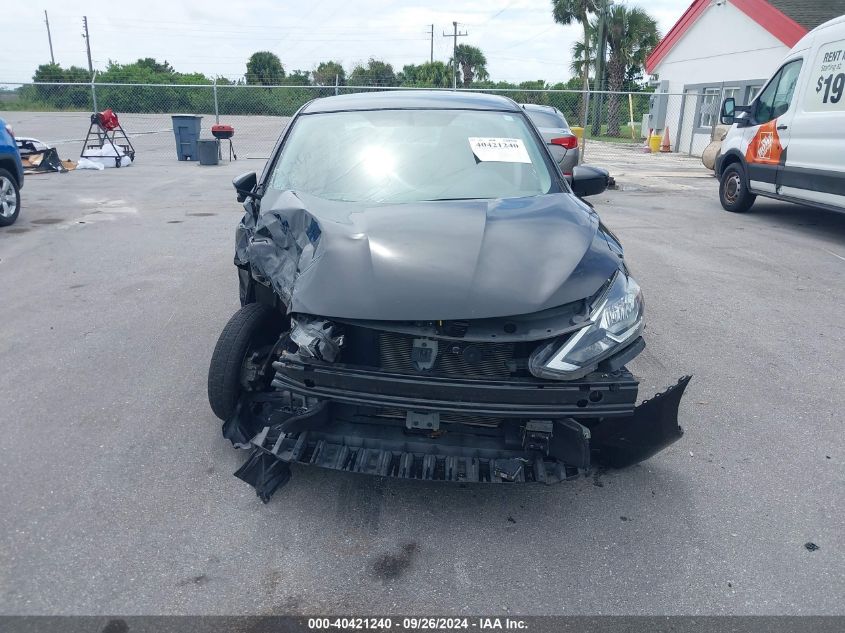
(245, 186)
(589, 181)
(727, 115)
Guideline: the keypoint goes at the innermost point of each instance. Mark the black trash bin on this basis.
(208, 151)
(186, 129)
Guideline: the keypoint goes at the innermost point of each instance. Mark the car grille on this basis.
(454, 358)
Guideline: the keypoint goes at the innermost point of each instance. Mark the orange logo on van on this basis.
(765, 147)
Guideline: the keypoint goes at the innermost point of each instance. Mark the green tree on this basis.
(327, 72)
(375, 73)
(578, 11)
(631, 36)
(142, 98)
(429, 74)
(54, 73)
(297, 78)
(567, 102)
(154, 66)
(472, 62)
(148, 70)
(264, 69)
(59, 97)
(535, 92)
(585, 53)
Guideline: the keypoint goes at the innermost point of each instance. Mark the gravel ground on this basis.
(116, 485)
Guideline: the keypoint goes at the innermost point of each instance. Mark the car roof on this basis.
(411, 100)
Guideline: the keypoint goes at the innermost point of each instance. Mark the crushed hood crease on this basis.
(461, 259)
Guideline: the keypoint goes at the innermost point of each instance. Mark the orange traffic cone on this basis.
(665, 146)
(646, 148)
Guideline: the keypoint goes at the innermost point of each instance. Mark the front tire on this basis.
(10, 198)
(253, 327)
(733, 190)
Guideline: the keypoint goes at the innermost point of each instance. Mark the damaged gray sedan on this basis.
(425, 297)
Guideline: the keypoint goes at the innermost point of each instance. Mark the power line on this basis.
(325, 37)
(180, 27)
(539, 33)
(555, 62)
(498, 13)
(313, 7)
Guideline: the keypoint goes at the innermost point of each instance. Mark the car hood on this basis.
(422, 261)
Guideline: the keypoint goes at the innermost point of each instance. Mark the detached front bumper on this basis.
(328, 415)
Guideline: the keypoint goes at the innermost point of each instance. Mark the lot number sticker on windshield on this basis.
(501, 150)
(827, 82)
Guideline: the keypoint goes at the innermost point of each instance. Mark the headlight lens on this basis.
(617, 320)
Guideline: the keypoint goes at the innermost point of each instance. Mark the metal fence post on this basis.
(695, 111)
(94, 90)
(216, 110)
(584, 124)
(336, 82)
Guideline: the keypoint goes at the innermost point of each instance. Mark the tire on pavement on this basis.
(10, 198)
(253, 326)
(733, 189)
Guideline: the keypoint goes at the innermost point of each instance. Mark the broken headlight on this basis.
(617, 321)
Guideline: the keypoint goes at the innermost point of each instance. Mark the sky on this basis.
(519, 37)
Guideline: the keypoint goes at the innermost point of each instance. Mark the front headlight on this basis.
(616, 321)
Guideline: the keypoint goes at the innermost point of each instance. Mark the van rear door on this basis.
(814, 165)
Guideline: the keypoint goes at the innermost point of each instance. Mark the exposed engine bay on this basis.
(449, 401)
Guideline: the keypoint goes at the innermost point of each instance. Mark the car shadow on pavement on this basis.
(401, 535)
(810, 220)
(647, 494)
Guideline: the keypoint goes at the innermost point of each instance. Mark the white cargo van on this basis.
(789, 143)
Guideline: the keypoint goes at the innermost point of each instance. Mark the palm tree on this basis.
(472, 61)
(631, 36)
(582, 53)
(569, 12)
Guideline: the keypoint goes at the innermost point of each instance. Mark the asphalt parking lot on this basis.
(117, 487)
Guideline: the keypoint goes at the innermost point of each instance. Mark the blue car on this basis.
(11, 176)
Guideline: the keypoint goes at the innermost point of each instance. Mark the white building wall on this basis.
(723, 45)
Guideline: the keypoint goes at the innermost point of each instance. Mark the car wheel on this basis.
(249, 334)
(10, 198)
(733, 190)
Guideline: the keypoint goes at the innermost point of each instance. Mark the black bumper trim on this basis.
(386, 458)
(621, 442)
(389, 452)
(603, 396)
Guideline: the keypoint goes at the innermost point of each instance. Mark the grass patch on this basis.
(624, 137)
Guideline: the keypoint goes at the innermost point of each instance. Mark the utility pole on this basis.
(455, 35)
(49, 38)
(431, 58)
(87, 43)
(601, 53)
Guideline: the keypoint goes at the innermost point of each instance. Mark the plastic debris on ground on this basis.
(39, 157)
(103, 157)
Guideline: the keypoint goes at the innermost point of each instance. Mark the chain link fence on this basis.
(615, 126)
